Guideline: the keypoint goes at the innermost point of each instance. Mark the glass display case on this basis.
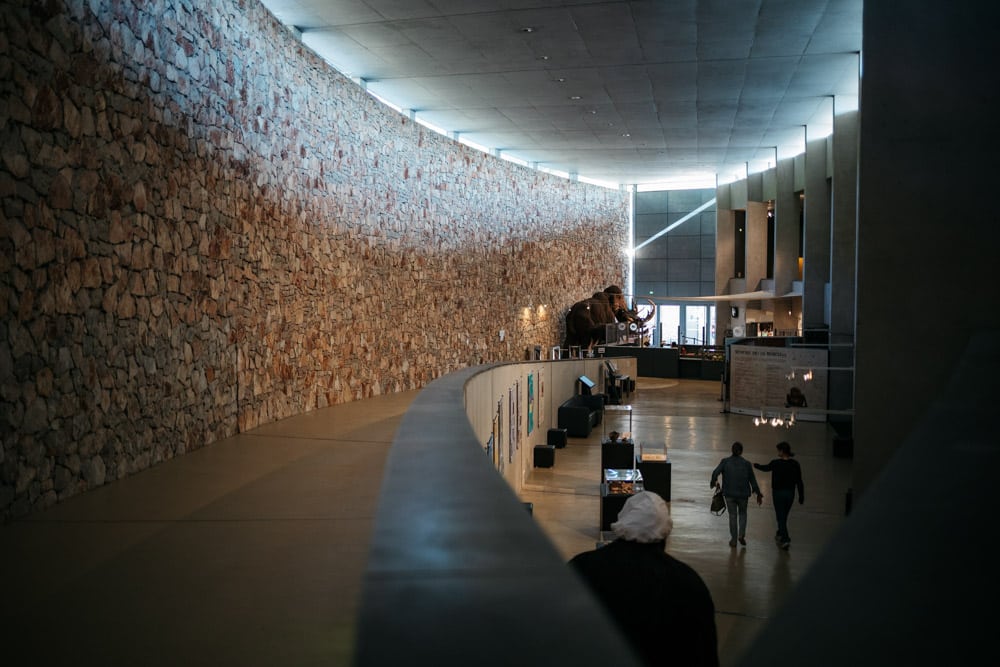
(656, 451)
(618, 485)
(627, 481)
(702, 362)
(703, 352)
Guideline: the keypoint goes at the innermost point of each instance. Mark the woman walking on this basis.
(786, 477)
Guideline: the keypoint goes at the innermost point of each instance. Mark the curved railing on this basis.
(459, 573)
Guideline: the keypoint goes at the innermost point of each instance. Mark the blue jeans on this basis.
(783, 500)
(737, 508)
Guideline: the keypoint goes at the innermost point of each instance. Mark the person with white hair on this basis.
(659, 603)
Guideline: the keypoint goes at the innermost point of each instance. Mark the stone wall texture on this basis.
(205, 229)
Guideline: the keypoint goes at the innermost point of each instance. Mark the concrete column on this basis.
(786, 240)
(738, 194)
(843, 265)
(816, 237)
(927, 232)
(756, 244)
(725, 249)
(755, 187)
(770, 184)
(725, 267)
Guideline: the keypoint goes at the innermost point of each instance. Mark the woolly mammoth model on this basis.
(587, 320)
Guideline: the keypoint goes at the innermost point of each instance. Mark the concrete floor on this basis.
(747, 583)
(251, 551)
(247, 552)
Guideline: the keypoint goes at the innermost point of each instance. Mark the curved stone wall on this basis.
(205, 228)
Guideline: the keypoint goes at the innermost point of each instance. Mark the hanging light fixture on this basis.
(774, 419)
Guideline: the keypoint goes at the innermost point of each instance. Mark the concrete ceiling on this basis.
(657, 92)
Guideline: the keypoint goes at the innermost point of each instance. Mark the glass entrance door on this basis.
(670, 322)
(695, 323)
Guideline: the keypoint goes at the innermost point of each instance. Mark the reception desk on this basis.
(668, 362)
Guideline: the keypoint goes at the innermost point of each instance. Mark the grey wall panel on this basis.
(684, 247)
(684, 288)
(683, 269)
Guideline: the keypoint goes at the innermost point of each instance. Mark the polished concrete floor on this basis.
(747, 583)
(251, 551)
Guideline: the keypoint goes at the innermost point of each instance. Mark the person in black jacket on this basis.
(659, 603)
(786, 477)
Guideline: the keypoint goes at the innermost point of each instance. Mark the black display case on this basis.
(617, 454)
(617, 486)
(654, 465)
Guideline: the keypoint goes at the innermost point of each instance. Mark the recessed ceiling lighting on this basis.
(593, 112)
(527, 28)
(626, 134)
(575, 97)
(543, 57)
(561, 79)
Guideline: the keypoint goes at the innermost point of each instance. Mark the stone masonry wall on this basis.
(205, 229)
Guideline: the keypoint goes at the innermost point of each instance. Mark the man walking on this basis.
(738, 481)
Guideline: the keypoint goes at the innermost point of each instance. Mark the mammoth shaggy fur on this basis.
(586, 319)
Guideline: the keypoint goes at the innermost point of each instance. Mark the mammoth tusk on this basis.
(651, 312)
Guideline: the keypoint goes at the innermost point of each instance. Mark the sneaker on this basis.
(732, 543)
(743, 541)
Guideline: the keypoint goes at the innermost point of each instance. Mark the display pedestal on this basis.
(652, 460)
(656, 477)
(617, 453)
(611, 505)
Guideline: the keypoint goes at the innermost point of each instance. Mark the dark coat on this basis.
(659, 603)
(786, 474)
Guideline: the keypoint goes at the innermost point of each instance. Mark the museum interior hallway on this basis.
(251, 551)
